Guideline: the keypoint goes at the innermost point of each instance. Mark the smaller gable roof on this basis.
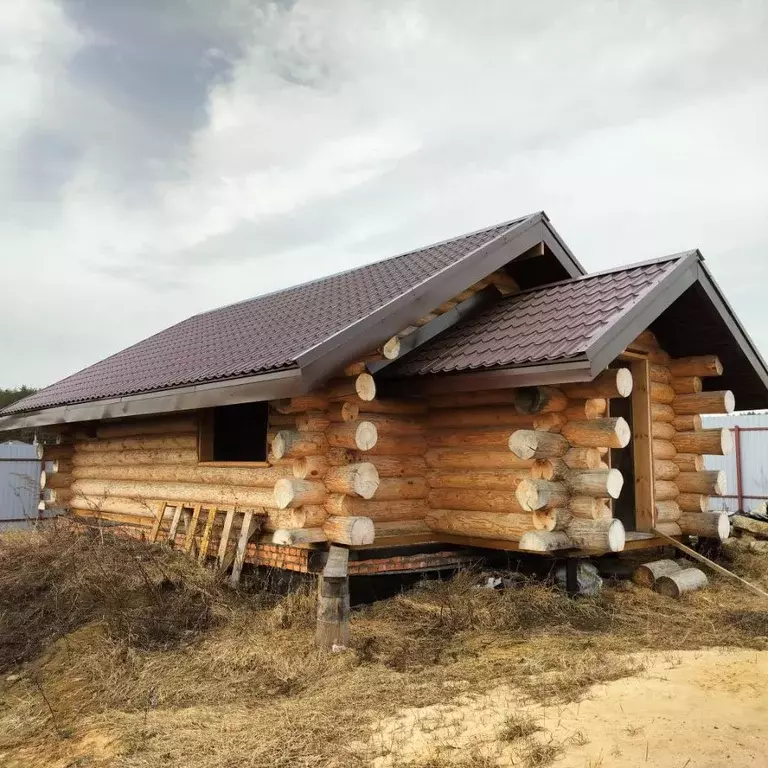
(571, 330)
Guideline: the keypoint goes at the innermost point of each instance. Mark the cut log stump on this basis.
(677, 584)
(645, 575)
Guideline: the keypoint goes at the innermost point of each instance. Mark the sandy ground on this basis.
(694, 709)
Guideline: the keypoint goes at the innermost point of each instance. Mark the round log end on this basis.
(617, 536)
(366, 435)
(623, 432)
(43, 479)
(284, 493)
(545, 519)
(726, 441)
(614, 483)
(720, 484)
(729, 401)
(676, 584)
(280, 444)
(723, 527)
(522, 443)
(349, 411)
(365, 387)
(366, 480)
(624, 382)
(391, 348)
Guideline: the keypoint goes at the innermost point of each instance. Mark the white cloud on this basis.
(347, 131)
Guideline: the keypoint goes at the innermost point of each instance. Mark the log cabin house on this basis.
(480, 393)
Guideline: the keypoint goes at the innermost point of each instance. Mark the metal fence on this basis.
(746, 468)
(19, 484)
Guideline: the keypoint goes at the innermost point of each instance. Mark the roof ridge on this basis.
(509, 223)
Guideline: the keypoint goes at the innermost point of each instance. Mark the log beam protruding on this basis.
(708, 482)
(597, 433)
(721, 401)
(718, 442)
(539, 400)
(533, 495)
(362, 386)
(291, 444)
(612, 382)
(352, 531)
(713, 525)
(359, 435)
(545, 541)
(292, 492)
(531, 444)
(702, 365)
(597, 535)
(360, 479)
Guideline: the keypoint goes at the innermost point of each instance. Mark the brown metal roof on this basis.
(287, 329)
(555, 323)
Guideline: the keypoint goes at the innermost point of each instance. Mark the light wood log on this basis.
(612, 382)
(491, 416)
(312, 421)
(613, 433)
(378, 511)
(153, 443)
(693, 502)
(254, 477)
(308, 516)
(665, 490)
(544, 541)
(360, 435)
(398, 445)
(53, 452)
(660, 374)
(597, 535)
(538, 494)
(704, 402)
(667, 511)
(664, 449)
(709, 482)
(55, 480)
(549, 469)
(396, 466)
(332, 628)
(344, 411)
(540, 400)
(397, 528)
(598, 483)
(487, 437)
(279, 420)
(394, 424)
(687, 385)
(589, 508)
(687, 423)
(204, 493)
(663, 469)
(290, 444)
(549, 422)
(356, 479)
(352, 531)
(662, 393)
(530, 444)
(480, 459)
(670, 528)
(712, 441)
(593, 408)
(355, 369)
(143, 427)
(310, 467)
(689, 462)
(297, 537)
(58, 496)
(703, 365)
(646, 341)
(134, 458)
(713, 525)
(582, 458)
(677, 584)
(391, 406)
(128, 508)
(499, 480)
(292, 492)
(645, 575)
(361, 386)
(475, 499)
(390, 349)
(301, 403)
(662, 430)
(544, 519)
(506, 526)
(662, 412)
(394, 488)
(473, 398)
(340, 457)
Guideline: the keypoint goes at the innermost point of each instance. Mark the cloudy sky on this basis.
(162, 157)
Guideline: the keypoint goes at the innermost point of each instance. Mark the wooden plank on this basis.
(645, 514)
(158, 523)
(336, 564)
(202, 554)
(714, 566)
(175, 523)
(247, 529)
(224, 541)
(192, 529)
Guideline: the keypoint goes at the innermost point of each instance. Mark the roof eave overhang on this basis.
(267, 386)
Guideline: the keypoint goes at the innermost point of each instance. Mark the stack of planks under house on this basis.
(518, 469)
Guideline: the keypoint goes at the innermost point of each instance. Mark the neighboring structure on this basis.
(746, 468)
(19, 485)
(482, 392)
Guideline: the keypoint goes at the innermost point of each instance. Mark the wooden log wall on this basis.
(682, 487)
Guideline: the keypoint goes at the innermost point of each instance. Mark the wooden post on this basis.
(332, 631)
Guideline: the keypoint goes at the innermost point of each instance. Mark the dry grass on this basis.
(126, 655)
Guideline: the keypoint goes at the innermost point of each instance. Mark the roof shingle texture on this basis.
(266, 333)
(548, 324)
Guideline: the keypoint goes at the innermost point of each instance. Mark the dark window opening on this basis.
(235, 433)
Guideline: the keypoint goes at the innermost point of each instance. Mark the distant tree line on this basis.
(8, 396)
